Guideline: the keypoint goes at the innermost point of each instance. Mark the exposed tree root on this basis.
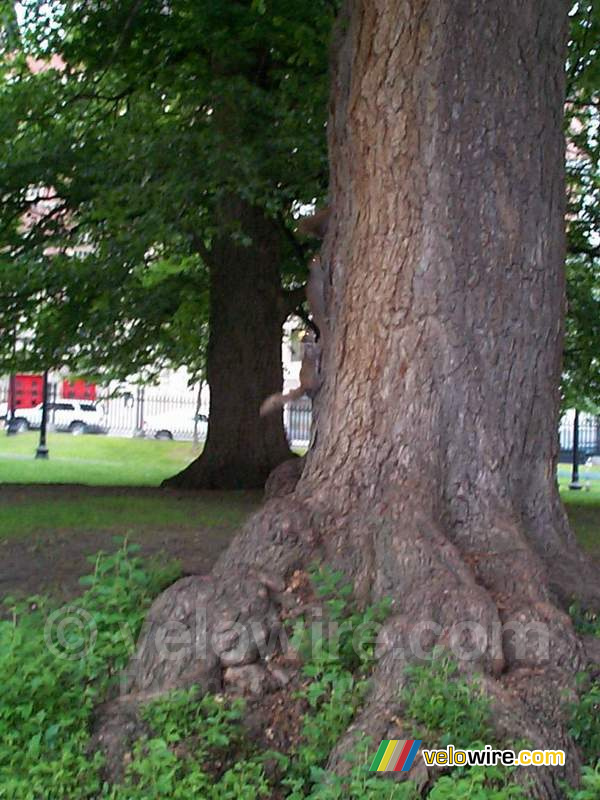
(494, 610)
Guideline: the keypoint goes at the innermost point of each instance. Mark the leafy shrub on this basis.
(585, 622)
(47, 696)
(197, 746)
(585, 720)
(590, 785)
(338, 667)
(477, 783)
(455, 710)
(207, 733)
(450, 708)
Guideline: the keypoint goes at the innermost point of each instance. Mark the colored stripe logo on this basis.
(395, 755)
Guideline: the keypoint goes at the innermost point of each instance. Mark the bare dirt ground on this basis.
(50, 559)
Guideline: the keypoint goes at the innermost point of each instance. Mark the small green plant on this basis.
(346, 635)
(590, 785)
(453, 710)
(585, 713)
(477, 783)
(359, 784)
(196, 745)
(436, 698)
(183, 714)
(198, 749)
(339, 656)
(585, 719)
(585, 622)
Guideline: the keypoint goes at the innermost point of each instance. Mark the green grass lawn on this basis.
(583, 508)
(26, 511)
(111, 461)
(589, 478)
(584, 469)
(92, 460)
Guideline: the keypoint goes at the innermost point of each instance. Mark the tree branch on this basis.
(291, 303)
(87, 95)
(201, 248)
(572, 76)
(292, 299)
(583, 250)
(298, 248)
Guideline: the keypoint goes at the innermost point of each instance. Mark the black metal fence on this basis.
(142, 412)
(589, 438)
(297, 420)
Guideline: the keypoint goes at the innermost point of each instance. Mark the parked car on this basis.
(74, 416)
(176, 424)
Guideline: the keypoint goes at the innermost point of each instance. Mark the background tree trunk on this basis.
(433, 477)
(244, 356)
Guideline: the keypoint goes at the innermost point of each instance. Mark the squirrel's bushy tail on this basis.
(275, 401)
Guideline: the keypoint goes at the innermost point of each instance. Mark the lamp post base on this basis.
(42, 451)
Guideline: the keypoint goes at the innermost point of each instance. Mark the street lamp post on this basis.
(42, 449)
(575, 473)
(10, 409)
(12, 390)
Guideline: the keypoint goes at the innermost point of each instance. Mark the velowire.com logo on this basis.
(395, 755)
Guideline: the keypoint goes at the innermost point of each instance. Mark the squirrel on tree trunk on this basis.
(310, 378)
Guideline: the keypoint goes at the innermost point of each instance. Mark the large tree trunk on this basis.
(433, 476)
(244, 356)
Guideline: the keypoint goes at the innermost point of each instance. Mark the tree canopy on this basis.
(158, 113)
(581, 378)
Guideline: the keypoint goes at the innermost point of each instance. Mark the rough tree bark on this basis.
(433, 476)
(247, 311)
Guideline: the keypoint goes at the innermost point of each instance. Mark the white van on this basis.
(74, 416)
